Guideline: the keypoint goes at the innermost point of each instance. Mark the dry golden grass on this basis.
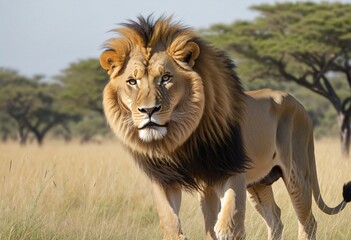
(72, 191)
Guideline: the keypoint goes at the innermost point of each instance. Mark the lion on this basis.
(177, 104)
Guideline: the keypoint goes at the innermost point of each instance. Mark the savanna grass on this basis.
(73, 191)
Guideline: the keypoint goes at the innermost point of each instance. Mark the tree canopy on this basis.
(82, 86)
(71, 104)
(31, 104)
(83, 83)
(305, 43)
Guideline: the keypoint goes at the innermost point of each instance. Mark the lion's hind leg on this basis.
(262, 199)
(301, 196)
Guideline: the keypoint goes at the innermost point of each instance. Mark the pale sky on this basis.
(45, 36)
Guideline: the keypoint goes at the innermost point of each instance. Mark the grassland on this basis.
(73, 191)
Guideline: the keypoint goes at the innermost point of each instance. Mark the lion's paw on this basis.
(226, 233)
(223, 233)
(179, 237)
(182, 237)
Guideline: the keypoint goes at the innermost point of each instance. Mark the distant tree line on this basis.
(302, 48)
(68, 106)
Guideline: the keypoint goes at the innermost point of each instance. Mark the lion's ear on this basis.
(110, 61)
(186, 55)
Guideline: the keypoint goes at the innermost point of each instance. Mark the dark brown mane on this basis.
(144, 26)
(151, 30)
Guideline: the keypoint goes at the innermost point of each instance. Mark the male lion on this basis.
(177, 105)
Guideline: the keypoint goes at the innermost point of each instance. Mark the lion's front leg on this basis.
(230, 223)
(210, 205)
(167, 200)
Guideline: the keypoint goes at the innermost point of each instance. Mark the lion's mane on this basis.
(213, 148)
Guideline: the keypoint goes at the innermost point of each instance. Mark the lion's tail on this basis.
(319, 200)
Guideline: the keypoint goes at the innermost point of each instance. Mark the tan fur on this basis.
(200, 107)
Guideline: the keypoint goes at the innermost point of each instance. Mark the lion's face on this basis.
(151, 91)
(156, 98)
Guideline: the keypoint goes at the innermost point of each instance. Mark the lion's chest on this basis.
(191, 165)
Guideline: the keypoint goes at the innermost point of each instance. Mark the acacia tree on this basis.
(15, 100)
(45, 112)
(31, 104)
(82, 86)
(7, 127)
(83, 83)
(305, 43)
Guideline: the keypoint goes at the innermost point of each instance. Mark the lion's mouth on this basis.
(152, 125)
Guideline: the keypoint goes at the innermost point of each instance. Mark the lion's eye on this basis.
(132, 81)
(166, 78)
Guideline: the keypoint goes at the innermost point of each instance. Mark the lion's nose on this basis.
(150, 111)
